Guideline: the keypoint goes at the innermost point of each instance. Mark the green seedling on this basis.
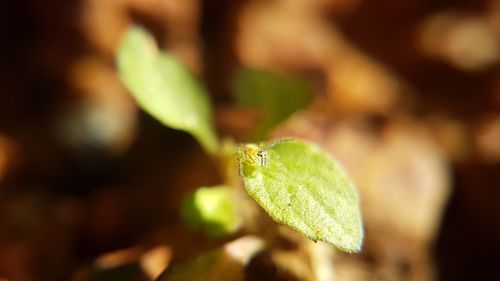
(294, 181)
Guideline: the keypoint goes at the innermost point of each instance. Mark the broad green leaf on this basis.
(299, 185)
(277, 95)
(212, 210)
(164, 87)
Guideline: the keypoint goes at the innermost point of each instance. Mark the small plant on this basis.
(294, 181)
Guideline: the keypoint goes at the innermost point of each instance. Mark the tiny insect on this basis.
(263, 158)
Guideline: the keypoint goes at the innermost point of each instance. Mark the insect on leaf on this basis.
(301, 186)
(164, 87)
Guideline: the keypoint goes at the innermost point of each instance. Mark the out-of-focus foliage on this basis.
(224, 264)
(300, 186)
(277, 95)
(212, 210)
(165, 88)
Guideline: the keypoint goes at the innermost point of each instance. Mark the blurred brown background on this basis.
(406, 95)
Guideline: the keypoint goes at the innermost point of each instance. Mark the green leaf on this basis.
(299, 185)
(164, 87)
(277, 95)
(212, 210)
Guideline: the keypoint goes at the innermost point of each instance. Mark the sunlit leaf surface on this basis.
(164, 87)
(299, 185)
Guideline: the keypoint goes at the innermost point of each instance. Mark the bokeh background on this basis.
(406, 94)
